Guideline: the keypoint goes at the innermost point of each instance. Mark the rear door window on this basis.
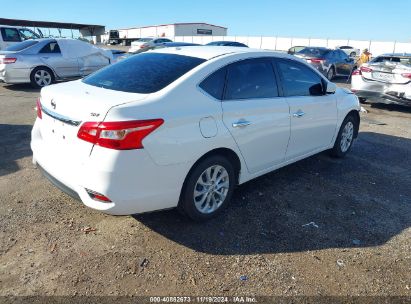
(250, 79)
(144, 73)
(10, 34)
(299, 80)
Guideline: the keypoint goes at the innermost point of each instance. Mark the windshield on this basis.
(144, 73)
(28, 34)
(21, 46)
(313, 52)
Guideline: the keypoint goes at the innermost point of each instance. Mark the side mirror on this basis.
(316, 90)
(331, 88)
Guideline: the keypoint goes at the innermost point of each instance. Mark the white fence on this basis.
(284, 43)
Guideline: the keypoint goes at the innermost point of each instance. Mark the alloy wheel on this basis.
(42, 78)
(347, 136)
(211, 189)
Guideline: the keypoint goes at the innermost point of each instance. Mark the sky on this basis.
(382, 20)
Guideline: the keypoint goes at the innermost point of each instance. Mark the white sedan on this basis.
(181, 127)
(145, 44)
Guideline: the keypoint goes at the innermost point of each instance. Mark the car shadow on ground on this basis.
(21, 87)
(390, 107)
(317, 203)
(342, 80)
(14, 145)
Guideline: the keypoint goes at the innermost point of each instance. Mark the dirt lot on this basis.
(358, 244)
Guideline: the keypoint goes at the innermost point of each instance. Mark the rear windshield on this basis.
(21, 46)
(393, 59)
(143, 73)
(313, 52)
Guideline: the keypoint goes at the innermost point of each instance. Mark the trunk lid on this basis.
(388, 72)
(66, 106)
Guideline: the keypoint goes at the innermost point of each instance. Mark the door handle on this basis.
(241, 124)
(45, 57)
(299, 114)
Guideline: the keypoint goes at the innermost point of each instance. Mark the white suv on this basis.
(10, 35)
(181, 127)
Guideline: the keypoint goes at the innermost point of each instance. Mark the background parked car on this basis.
(349, 50)
(10, 35)
(175, 44)
(145, 44)
(43, 61)
(295, 49)
(117, 54)
(227, 43)
(329, 62)
(386, 78)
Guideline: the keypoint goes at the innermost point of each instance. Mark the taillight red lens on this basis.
(143, 46)
(9, 60)
(38, 108)
(121, 135)
(365, 69)
(406, 75)
(98, 196)
(356, 72)
(317, 60)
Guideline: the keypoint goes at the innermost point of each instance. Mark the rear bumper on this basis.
(59, 184)
(379, 92)
(130, 179)
(10, 75)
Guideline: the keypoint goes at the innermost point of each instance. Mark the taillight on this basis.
(406, 75)
(121, 135)
(356, 72)
(38, 108)
(317, 60)
(365, 69)
(143, 46)
(9, 60)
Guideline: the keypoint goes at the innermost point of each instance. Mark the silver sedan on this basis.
(41, 62)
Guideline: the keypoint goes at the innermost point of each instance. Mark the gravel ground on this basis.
(322, 226)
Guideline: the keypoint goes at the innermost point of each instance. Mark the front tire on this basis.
(41, 77)
(208, 188)
(345, 137)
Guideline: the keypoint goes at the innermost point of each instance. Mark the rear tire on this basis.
(345, 137)
(208, 188)
(353, 54)
(330, 73)
(41, 77)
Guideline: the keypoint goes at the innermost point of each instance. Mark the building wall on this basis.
(284, 43)
(191, 30)
(170, 31)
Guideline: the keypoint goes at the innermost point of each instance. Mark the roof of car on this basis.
(396, 54)
(208, 52)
